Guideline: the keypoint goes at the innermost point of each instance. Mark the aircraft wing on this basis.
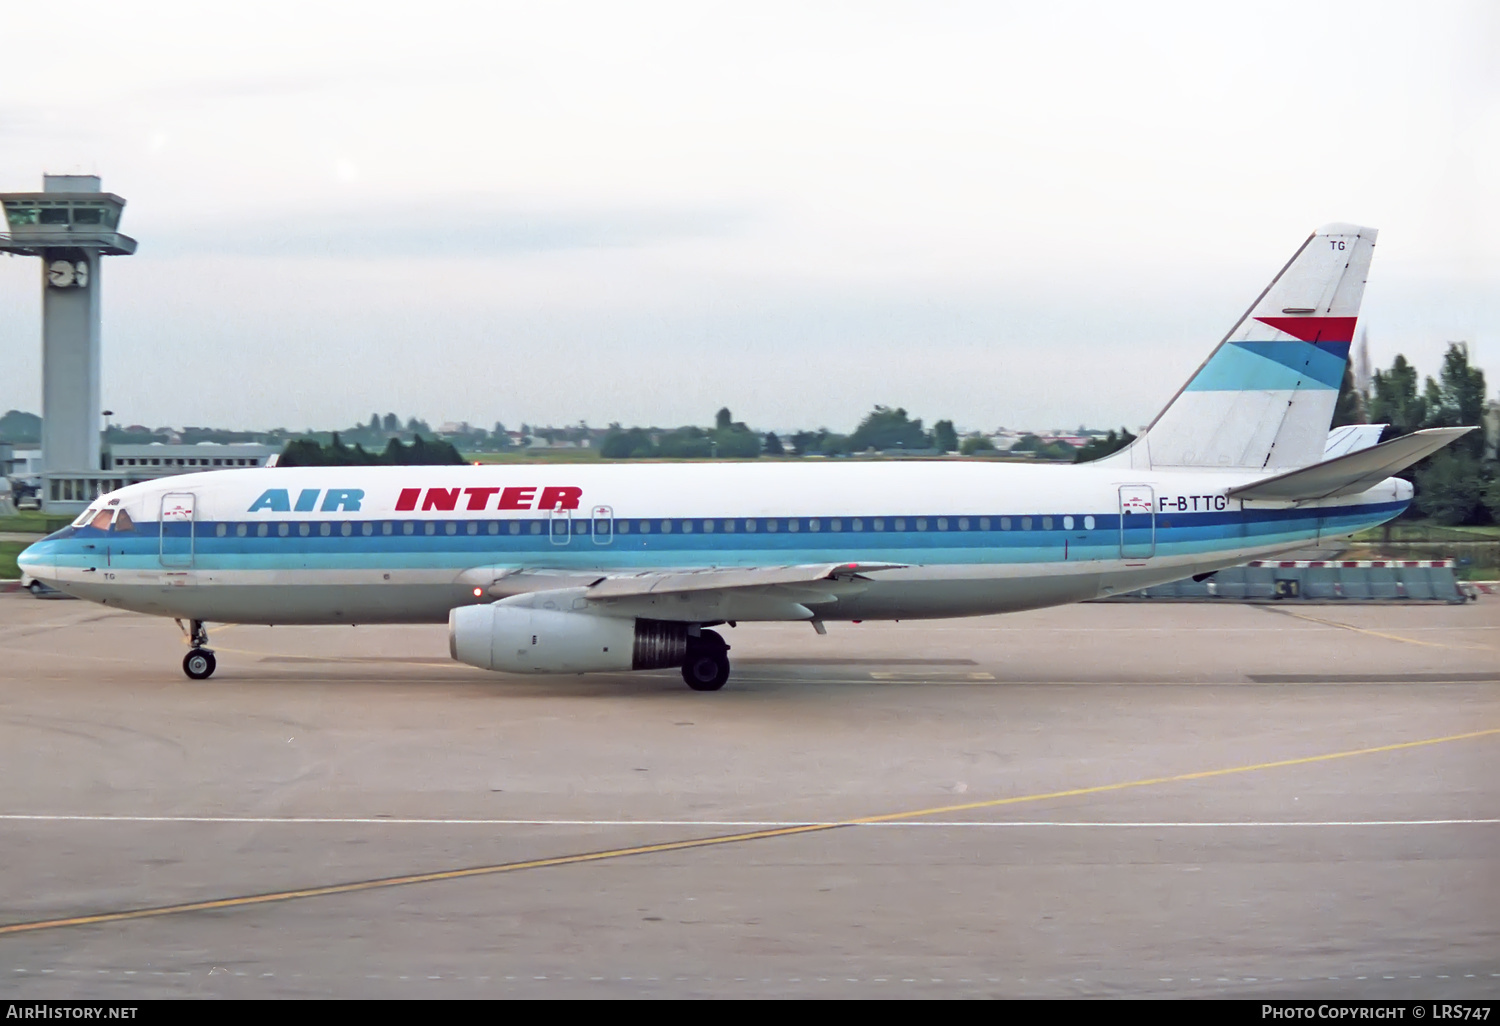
(1352, 472)
(711, 593)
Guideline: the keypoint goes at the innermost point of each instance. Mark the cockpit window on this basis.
(85, 517)
(123, 522)
(101, 519)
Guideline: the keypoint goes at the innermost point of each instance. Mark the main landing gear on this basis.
(707, 664)
(199, 663)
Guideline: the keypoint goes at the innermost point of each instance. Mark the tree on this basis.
(685, 443)
(885, 428)
(741, 444)
(1394, 399)
(1098, 448)
(1454, 485)
(723, 419)
(804, 442)
(1350, 407)
(302, 452)
(834, 444)
(1451, 487)
(1492, 498)
(391, 423)
(944, 438)
(18, 426)
(1457, 398)
(620, 444)
(773, 445)
(976, 444)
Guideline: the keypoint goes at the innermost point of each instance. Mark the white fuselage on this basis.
(408, 544)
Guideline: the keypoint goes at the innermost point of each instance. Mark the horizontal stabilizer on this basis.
(1345, 475)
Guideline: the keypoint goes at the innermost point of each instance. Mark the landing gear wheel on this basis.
(199, 664)
(707, 664)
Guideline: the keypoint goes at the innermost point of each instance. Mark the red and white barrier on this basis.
(1353, 564)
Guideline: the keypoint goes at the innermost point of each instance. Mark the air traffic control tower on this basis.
(70, 224)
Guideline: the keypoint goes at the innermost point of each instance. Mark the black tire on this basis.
(199, 664)
(706, 669)
(36, 588)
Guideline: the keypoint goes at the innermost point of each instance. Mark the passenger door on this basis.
(178, 529)
(1137, 522)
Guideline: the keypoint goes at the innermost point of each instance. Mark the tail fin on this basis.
(1264, 398)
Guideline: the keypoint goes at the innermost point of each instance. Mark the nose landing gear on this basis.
(199, 663)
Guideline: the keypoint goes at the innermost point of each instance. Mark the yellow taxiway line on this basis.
(579, 858)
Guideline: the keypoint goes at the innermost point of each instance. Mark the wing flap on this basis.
(1353, 472)
(728, 578)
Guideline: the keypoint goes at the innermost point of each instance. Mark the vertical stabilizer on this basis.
(1264, 398)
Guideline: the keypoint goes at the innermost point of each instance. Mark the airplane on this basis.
(625, 567)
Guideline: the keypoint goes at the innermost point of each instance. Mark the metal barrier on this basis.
(1426, 580)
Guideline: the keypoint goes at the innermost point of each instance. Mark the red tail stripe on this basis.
(1314, 329)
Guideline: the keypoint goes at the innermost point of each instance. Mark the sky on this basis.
(1018, 214)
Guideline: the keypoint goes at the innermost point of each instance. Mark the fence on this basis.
(1412, 580)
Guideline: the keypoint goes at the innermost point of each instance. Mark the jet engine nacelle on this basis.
(520, 639)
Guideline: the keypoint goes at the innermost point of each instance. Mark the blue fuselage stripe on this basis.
(942, 538)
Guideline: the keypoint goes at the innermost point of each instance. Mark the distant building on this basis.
(131, 464)
(22, 464)
(159, 460)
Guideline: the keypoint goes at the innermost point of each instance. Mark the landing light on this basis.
(478, 592)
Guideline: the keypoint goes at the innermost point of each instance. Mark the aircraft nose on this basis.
(35, 560)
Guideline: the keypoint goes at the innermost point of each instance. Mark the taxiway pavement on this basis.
(1103, 800)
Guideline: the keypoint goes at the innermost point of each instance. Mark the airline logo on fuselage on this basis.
(348, 500)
